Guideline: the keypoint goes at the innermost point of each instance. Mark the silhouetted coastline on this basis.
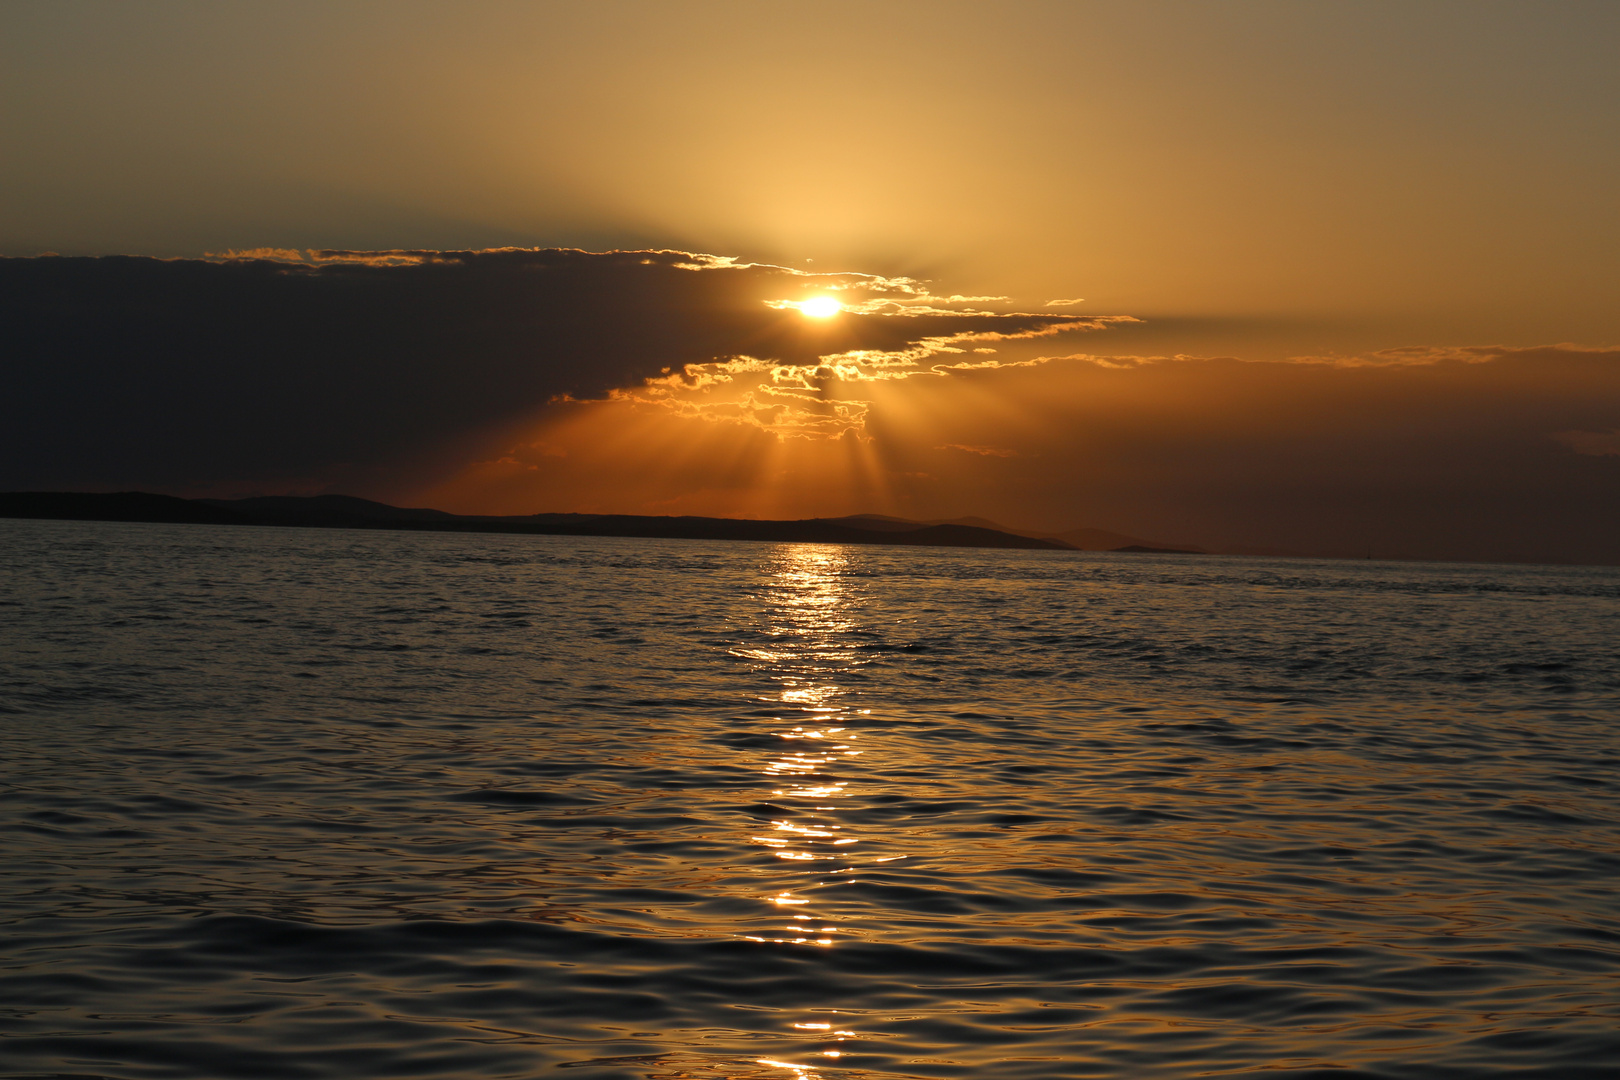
(348, 512)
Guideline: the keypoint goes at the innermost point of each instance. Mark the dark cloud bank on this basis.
(185, 375)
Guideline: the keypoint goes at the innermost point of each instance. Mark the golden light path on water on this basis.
(811, 608)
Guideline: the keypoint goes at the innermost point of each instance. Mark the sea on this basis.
(309, 804)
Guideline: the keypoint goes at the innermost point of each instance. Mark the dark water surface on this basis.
(309, 804)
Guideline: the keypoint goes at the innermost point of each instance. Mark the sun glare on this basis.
(820, 307)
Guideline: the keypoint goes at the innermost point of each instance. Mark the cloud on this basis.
(1591, 443)
(982, 451)
(276, 367)
(1417, 355)
(793, 399)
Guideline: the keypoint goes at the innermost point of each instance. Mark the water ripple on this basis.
(305, 804)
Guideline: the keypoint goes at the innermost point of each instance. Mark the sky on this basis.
(1325, 277)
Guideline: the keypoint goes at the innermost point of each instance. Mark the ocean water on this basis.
(310, 804)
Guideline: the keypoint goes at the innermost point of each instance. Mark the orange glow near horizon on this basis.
(1127, 446)
(624, 456)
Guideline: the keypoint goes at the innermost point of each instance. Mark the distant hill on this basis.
(1081, 539)
(343, 511)
(1103, 540)
(321, 506)
(349, 512)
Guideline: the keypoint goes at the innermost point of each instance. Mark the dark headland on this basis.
(348, 512)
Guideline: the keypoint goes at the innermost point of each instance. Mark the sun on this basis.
(820, 307)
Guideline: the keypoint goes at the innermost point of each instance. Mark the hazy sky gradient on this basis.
(1444, 163)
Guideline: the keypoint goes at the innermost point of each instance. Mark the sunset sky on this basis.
(1321, 277)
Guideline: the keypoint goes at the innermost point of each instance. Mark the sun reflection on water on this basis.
(811, 609)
